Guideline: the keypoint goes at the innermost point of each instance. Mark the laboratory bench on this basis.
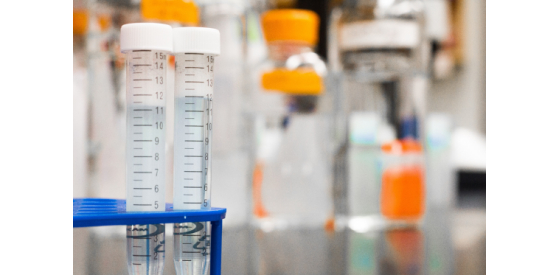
(449, 241)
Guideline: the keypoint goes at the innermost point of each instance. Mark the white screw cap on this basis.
(196, 40)
(146, 36)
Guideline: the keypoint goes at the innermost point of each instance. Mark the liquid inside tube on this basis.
(192, 248)
(145, 130)
(145, 157)
(146, 248)
(194, 81)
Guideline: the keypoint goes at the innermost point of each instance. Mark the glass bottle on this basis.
(292, 124)
(291, 116)
(383, 56)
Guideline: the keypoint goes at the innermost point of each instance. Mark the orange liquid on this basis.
(402, 193)
(258, 207)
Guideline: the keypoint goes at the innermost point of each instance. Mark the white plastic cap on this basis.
(146, 36)
(196, 40)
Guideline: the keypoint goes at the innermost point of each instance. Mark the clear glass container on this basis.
(383, 54)
(291, 114)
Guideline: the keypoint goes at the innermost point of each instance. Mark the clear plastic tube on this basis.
(191, 241)
(145, 246)
(194, 82)
(145, 157)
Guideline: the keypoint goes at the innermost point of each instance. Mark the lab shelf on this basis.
(89, 212)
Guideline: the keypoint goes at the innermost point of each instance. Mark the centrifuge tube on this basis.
(147, 46)
(194, 50)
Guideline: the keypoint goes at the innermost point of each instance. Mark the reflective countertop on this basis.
(449, 241)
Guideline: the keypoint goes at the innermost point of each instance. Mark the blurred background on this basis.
(321, 119)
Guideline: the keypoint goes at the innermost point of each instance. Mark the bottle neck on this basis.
(282, 50)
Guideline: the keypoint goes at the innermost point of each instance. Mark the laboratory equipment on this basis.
(146, 46)
(88, 212)
(291, 120)
(194, 49)
(383, 56)
(402, 186)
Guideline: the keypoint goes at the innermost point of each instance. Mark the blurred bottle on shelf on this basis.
(230, 147)
(291, 117)
(380, 58)
(256, 45)
(441, 187)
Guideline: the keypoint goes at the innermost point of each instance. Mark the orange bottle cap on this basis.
(80, 19)
(182, 11)
(167, 11)
(290, 25)
(186, 12)
(151, 9)
(299, 81)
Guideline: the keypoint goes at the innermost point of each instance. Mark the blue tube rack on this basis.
(90, 212)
